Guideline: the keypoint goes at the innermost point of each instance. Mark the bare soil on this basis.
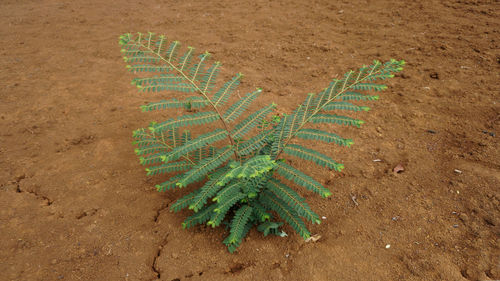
(76, 205)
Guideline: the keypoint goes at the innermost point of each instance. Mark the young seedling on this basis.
(246, 181)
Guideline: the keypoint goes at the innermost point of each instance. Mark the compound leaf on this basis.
(290, 173)
(312, 155)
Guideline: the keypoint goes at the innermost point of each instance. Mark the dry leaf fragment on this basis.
(313, 238)
(398, 169)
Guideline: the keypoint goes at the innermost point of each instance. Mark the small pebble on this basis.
(398, 169)
(457, 171)
(455, 226)
(323, 217)
(489, 133)
(387, 246)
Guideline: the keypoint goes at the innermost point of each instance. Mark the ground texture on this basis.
(76, 204)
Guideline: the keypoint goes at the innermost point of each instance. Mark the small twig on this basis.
(353, 198)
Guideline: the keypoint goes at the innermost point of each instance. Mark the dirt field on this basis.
(76, 205)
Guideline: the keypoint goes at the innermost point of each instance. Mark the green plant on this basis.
(245, 182)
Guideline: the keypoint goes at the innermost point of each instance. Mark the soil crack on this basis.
(42, 197)
(155, 266)
(47, 200)
(158, 212)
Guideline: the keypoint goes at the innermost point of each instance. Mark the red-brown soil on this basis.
(76, 205)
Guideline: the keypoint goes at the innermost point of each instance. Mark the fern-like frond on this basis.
(151, 148)
(206, 165)
(208, 80)
(200, 217)
(159, 43)
(290, 173)
(142, 57)
(237, 226)
(338, 89)
(149, 68)
(179, 87)
(193, 145)
(252, 186)
(369, 87)
(172, 51)
(312, 155)
(225, 91)
(252, 168)
(227, 192)
(198, 118)
(286, 212)
(197, 70)
(251, 121)
(313, 134)
(307, 107)
(340, 105)
(357, 96)
(202, 153)
(260, 212)
(188, 103)
(291, 197)
(280, 132)
(234, 245)
(336, 119)
(254, 143)
(222, 208)
(184, 201)
(208, 190)
(162, 79)
(172, 137)
(169, 184)
(240, 106)
(144, 140)
(168, 168)
(152, 159)
(286, 128)
(185, 60)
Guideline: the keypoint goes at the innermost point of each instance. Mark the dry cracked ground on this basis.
(76, 205)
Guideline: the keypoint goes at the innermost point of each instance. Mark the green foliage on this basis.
(244, 179)
(188, 103)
